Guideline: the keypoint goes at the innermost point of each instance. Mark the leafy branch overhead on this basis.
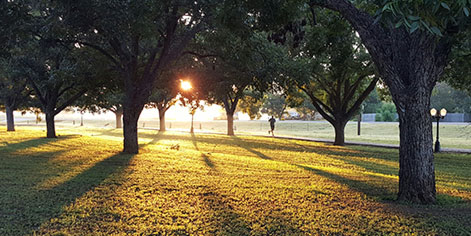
(436, 17)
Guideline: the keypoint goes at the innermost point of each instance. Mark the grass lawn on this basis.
(452, 135)
(182, 184)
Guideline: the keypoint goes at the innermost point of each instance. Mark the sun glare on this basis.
(186, 85)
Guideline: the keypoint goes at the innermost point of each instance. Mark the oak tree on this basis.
(409, 42)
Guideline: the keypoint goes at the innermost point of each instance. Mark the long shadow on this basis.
(369, 190)
(155, 139)
(226, 221)
(371, 166)
(206, 158)
(33, 209)
(226, 140)
(31, 143)
(446, 217)
(246, 146)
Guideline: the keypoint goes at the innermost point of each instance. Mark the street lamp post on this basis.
(359, 119)
(438, 116)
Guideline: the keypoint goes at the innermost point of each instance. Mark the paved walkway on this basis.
(452, 150)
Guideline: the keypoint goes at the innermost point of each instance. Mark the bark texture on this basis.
(131, 117)
(50, 125)
(119, 119)
(416, 167)
(230, 105)
(410, 64)
(230, 124)
(162, 119)
(339, 128)
(10, 118)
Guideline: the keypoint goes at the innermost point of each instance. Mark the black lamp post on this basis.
(438, 116)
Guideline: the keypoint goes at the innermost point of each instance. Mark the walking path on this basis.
(453, 150)
(450, 150)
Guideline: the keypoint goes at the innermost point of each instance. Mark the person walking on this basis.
(272, 126)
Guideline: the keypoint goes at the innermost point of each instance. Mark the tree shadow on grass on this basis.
(31, 143)
(360, 186)
(25, 215)
(225, 220)
(370, 165)
(243, 144)
(206, 156)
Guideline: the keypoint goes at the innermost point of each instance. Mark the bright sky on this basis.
(179, 113)
(175, 113)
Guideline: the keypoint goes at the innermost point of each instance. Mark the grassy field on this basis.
(451, 135)
(182, 184)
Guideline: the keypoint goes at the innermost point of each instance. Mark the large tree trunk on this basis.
(418, 65)
(10, 118)
(339, 128)
(119, 119)
(50, 125)
(131, 117)
(416, 167)
(230, 123)
(410, 64)
(162, 119)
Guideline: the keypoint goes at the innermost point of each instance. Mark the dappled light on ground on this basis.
(214, 184)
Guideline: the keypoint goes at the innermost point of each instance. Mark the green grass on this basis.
(451, 135)
(207, 184)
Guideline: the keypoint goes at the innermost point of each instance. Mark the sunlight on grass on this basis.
(206, 184)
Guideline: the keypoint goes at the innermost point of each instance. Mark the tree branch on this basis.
(373, 35)
(69, 101)
(38, 91)
(65, 90)
(102, 51)
(362, 97)
(319, 106)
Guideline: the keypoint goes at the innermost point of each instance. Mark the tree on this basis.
(141, 39)
(409, 42)
(341, 75)
(14, 27)
(274, 105)
(387, 112)
(301, 103)
(103, 99)
(239, 63)
(372, 102)
(193, 97)
(58, 79)
(458, 72)
(453, 100)
(251, 104)
(13, 92)
(108, 95)
(164, 97)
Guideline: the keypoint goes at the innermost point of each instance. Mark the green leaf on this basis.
(436, 31)
(413, 18)
(444, 5)
(398, 24)
(466, 11)
(414, 27)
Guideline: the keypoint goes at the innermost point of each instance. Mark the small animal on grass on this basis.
(175, 147)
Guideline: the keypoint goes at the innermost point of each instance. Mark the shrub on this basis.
(387, 112)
